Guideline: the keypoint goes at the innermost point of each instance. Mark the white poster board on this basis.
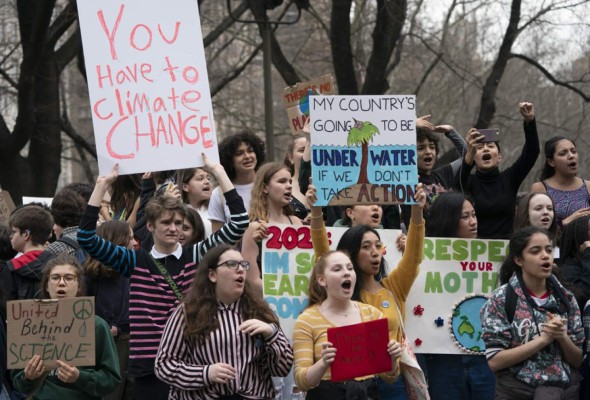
(443, 308)
(148, 84)
(363, 149)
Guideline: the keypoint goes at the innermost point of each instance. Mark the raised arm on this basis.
(400, 279)
(531, 149)
(232, 231)
(319, 235)
(459, 143)
(120, 258)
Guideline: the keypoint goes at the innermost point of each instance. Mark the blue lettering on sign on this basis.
(273, 262)
(287, 307)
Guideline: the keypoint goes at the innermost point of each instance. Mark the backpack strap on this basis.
(70, 242)
(510, 303)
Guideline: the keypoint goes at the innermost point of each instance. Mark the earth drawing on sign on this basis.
(465, 324)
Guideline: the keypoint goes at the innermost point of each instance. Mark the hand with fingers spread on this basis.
(221, 373)
(35, 368)
(443, 128)
(582, 212)
(256, 327)
(67, 373)
(172, 190)
(424, 122)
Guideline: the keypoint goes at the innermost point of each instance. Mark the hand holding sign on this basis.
(108, 179)
(67, 373)
(35, 368)
(394, 349)
(328, 354)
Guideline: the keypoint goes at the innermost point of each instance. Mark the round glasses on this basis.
(233, 264)
(69, 279)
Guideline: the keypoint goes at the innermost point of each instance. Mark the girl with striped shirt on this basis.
(223, 341)
(160, 277)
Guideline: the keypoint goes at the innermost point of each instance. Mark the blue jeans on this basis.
(458, 377)
(392, 391)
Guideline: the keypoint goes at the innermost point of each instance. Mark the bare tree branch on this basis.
(225, 24)
(235, 73)
(551, 77)
(70, 131)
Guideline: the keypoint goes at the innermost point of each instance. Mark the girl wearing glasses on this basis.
(62, 279)
(223, 341)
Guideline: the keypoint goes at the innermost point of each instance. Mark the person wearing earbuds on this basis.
(223, 341)
(494, 192)
(160, 277)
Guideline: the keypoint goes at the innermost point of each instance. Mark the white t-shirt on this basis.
(218, 210)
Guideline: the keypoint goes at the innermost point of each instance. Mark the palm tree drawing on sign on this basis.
(360, 135)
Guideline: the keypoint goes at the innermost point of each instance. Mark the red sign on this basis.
(361, 350)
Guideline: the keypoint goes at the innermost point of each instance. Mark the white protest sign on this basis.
(456, 276)
(287, 261)
(148, 83)
(43, 200)
(363, 149)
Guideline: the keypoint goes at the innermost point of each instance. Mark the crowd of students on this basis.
(174, 264)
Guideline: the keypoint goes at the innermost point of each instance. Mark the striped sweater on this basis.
(186, 367)
(152, 300)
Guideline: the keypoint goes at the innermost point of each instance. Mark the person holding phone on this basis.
(494, 192)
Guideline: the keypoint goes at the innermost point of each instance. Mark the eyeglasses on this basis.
(69, 279)
(233, 264)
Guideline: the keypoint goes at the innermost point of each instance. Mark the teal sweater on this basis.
(93, 383)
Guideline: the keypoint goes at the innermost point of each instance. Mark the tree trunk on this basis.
(364, 163)
(488, 96)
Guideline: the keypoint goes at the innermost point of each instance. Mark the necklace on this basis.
(326, 310)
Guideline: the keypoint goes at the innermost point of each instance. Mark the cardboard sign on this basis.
(54, 329)
(361, 350)
(296, 99)
(443, 307)
(364, 149)
(287, 261)
(6, 207)
(149, 89)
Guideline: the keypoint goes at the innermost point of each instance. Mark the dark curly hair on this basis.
(229, 146)
(423, 134)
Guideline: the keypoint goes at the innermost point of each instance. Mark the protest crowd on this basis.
(173, 260)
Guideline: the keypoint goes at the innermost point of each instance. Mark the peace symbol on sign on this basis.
(82, 309)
